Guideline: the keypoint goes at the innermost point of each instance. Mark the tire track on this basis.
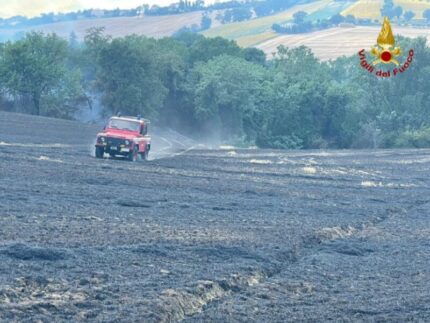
(179, 304)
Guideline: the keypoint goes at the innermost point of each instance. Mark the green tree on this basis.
(73, 39)
(188, 38)
(254, 55)
(409, 15)
(306, 109)
(350, 19)
(299, 17)
(387, 9)
(426, 15)
(225, 91)
(64, 100)
(206, 22)
(173, 68)
(129, 76)
(205, 49)
(398, 11)
(35, 67)
(337, 19)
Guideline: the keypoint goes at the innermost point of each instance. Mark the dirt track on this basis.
(208, 235)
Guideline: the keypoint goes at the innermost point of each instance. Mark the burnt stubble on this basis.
(208, 235)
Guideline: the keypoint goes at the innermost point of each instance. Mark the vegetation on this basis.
(244, 11)
(236, 11)
(210, 87)
(301, 25)
(235, 14)
(321, 14)
(426, 15)
(35, 71)
(301, 22)
(393, 9)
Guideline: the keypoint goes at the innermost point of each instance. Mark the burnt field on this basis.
(208, 235)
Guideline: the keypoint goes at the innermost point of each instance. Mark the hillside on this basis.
(252, 32)
(371, 8)
(151, 26)
(326, 44)
(257, 32)
(335, 42)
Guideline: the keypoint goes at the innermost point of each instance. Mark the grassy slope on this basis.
(248, 33)
(326, 44)
(371, 8)
(334, 42)
(151, 26)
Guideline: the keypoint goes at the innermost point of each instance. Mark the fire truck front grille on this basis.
(115, 141)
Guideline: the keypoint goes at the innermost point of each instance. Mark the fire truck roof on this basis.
(129, 118)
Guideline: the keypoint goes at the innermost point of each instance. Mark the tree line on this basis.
(233, 10)
(302, 24)
(212, 88)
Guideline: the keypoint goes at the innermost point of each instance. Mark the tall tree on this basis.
(203, 49)
(426, 15)
(225, 90)
(129, 76)
(409, 15)
(387, 9)
(34, 66)
(299, 17)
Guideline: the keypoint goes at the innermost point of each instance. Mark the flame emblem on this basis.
(385, 52)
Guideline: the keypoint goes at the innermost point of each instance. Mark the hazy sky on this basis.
(31, 8)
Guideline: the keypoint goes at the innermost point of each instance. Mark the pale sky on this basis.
(30, 8)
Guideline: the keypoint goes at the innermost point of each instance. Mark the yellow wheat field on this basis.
(371, 8)
(339, 41)
(257, 26)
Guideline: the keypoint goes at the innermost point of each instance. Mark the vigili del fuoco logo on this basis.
(385, 53)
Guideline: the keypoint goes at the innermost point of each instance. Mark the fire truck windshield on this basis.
(124, 124)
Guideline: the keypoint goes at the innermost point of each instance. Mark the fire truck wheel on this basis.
(145, 155)
(100, 152)
(133, 155)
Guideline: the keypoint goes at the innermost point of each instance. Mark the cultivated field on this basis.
(248, 33)
(335, 42)
(208, 235)
(371, 8)
(327, 44)
(151, 26)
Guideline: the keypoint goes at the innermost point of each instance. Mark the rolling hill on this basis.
(371, 8)
(326, 44)
(151, 26)
(335, 42)
(252, 32)
(257, 32)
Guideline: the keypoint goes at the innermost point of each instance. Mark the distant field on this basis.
(371, 8)
(327, 44)
(151, 26)
(365, 9)
(258, 32)
(247, 33)
(252, 32)
(335, 42)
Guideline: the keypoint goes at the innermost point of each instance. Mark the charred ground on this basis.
(208, 235)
